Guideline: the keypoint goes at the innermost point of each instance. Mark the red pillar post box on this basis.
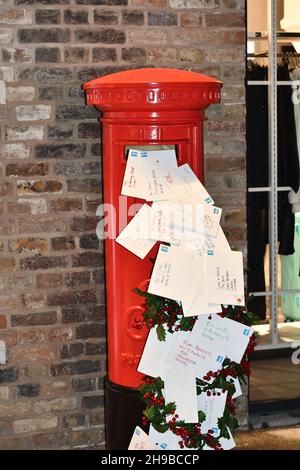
(143, 107)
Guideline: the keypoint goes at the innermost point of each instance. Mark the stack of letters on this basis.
(194, 266)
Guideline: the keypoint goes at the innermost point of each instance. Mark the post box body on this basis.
(144, 107)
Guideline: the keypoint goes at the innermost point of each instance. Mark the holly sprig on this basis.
(164, 314)
(167, 315)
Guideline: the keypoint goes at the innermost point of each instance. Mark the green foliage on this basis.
(201, 416)
(166, 315)
(161, 333)
(170, 407)
(149, 412)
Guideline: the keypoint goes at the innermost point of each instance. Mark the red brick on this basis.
(72, 298)
(27, 169)
(6, 189)
(43, 262)
(38, 187)
(30, 225)
(225, 20)
(8, 303)
(18, 207)
(63, 243)
(34, 319)
(7, 264)
(57, 388)
(28, 245)
(66, 204)
(83, 313)
(9, 337)
(92, 204)
(3, 322)
(75, 279)
(49, 280)
(84, 223)
(32, 335)
(36, 352)
(33, 301)
(60, 333)
(90, 330)
(7, 226)
(90, 259)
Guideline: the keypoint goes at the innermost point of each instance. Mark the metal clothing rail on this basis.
(284, 55)
(273, 168)
(268, 82)
(273, 37)
(279, 34)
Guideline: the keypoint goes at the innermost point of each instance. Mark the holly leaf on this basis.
(170, 407)
(201, 416)
(140, 292)
(159, 383)
(161, 332)
(232, 422)
(160, 427)
(226, 362)
(149, 413)
(185, 323)
(223, 429)
(146, 388)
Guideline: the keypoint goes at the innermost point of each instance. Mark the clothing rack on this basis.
(291, 58)
(280, 35)
(286, 55)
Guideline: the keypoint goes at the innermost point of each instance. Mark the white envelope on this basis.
(197, 304)
(160, 227)
(227, 444)
(133, 177)
(157, 166)
(225, 278)
(170, 272)
(200, 306)
(220, 243)
(155, 352)
(185, 186)
(221, 337)
(176, 276)
(180, 387)
(141, 441)
(183, 353)
(193, 217)
(135, 236)
(238, 389)
(200, 245)
(186, 219)
(213, 407)
(166, 440)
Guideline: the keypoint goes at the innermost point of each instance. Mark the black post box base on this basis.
(123, 409)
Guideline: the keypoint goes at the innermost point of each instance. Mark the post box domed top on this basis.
(153, 89)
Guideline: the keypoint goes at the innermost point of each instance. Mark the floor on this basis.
(271, 439)
(287, 333)
(274, 379)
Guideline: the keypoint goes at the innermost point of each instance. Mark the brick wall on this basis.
(51, 269)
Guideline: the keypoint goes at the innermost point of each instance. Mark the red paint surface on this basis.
(142, 107)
